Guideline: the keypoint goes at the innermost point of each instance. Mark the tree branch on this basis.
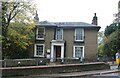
(11, 12)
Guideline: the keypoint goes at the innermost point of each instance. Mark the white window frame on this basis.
(81, 29)
(74, 51)
(56, 34)
(37, 33)
(35, 51)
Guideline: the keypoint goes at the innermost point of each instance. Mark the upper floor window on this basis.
(40, 33)
(78, 52)
(59, 34)
(79, 34)
(39, 50)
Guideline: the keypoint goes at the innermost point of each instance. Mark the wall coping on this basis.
(50, 66)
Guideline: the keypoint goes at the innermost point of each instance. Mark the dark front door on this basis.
(58, 51)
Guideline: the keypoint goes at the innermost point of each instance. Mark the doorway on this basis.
(58, 52)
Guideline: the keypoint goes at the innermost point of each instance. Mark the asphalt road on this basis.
(112, 75)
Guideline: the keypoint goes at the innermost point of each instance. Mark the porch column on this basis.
(62, 53)
(52, 54)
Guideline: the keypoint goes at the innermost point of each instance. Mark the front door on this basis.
(58, 52)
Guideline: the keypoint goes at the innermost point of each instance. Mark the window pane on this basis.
(79, 34)
(40, 32)
(78, 51)
(58, 34)
(39, 49)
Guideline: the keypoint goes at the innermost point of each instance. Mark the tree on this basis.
(110, 29)
(110, 44)
(112, 39)
(112, 34)
(17, 25)
(101, 50)
(18, 39)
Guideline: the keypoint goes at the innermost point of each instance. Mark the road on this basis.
(108, 75)
(111, 75)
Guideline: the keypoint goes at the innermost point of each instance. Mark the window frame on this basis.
(61, 29)
(82, 29)
(35, 50)
(37, 33)
(74, 52)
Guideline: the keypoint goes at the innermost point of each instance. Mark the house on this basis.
(66, 40)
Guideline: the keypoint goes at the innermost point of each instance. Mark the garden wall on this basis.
(52, 69)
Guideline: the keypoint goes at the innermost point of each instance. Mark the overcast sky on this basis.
(77, 11)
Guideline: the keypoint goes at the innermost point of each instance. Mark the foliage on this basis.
(111, 44)
(112, 34)
(101, 39)
(17, 27)
(112, 39)
(17, 12)
(18, 39)
(101, 49)
(110, 29)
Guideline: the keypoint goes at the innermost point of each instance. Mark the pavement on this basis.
(111, 75)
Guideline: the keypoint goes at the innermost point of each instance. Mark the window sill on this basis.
(58, 39)
(39, 56)
(75, 58)
(40, 39)
(79, 41)
(78, 58)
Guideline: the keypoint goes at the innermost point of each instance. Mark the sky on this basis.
(77, 11)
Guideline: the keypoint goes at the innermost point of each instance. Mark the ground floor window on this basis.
(39, 50)
(78, 52)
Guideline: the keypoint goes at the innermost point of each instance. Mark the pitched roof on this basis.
(67, 24)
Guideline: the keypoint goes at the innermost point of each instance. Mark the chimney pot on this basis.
(94, 21)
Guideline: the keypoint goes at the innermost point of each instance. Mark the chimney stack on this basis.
(94, 21)
(36, 18)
